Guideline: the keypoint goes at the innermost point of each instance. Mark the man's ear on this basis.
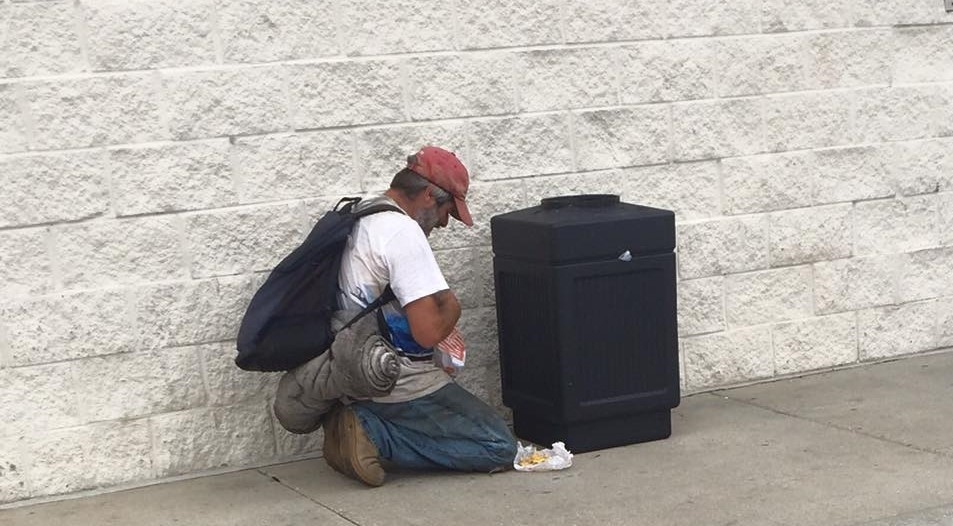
(433, 198)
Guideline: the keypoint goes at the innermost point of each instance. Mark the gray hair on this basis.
(410, 183)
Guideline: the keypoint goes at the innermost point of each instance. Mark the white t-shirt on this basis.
(390, 247)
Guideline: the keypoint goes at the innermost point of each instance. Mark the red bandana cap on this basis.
(443, 169)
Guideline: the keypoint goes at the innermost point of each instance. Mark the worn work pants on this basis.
(447, 429)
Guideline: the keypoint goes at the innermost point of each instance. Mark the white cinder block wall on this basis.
(158, 157)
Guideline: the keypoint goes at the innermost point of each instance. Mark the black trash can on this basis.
(585, 300)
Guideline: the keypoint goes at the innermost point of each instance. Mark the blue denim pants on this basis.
(448, 429)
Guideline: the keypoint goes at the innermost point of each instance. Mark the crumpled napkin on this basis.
(528, 458)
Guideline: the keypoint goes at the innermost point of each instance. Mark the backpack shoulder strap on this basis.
(373, 209)
(386, 296)
(346, 204)
(349, 205)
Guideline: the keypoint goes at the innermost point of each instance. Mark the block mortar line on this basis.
(56, 270)
(774, 352)
(584, 172)
(139, 284)
(186, 261)
(164, 110)
(683, 373)
(26, 467)
(153, 448)
(856, 336)
(805, 62)
(275, 449)
(937, 326)
(854, 135)
(518, 74)
(767, 325)
(185, 213)
(804, 264)
(6, 354)
(235, 171)
(849, 146)
(290, 102)
(306, 496)
(121, 146)
(562, 16)
(717, 74)
(395, 56)
(340, 32)
(566, 45)
(921, 25)
(82, 32)
(573, 141)
(732, 217)
(765, 407)
(121, 353)
(722, 196)
(457, 24)
(270, 403)
(761, 21)
(82, 411)
(216, 28)
(724, 305)
(118, 73)
(448, 120)
(109, 186)
(813, 269)
(299, 210)
(670, 148)
(406, 91)
(26, 117)
(763, 124)
(162, 71)
(468, 149)
(937, 215)
(357, 172)
(489, 118)
(922, 84)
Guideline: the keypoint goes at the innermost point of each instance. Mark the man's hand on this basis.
(432, 318)
(453, 352)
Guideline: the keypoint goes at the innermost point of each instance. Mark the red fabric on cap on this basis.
(443, 169)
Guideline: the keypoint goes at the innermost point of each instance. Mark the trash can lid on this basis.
(585, 200)
(577, 228)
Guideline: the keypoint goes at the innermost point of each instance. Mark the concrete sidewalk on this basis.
(871, 445)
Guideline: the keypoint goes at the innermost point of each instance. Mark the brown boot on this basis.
(358, 453)
(332, 442)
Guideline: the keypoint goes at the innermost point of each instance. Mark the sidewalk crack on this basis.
(838, 427)
(931, 513)
(299, 492)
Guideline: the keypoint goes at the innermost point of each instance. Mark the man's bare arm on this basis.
(432, 318)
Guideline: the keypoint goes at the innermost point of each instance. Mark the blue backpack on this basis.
(288, 321)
